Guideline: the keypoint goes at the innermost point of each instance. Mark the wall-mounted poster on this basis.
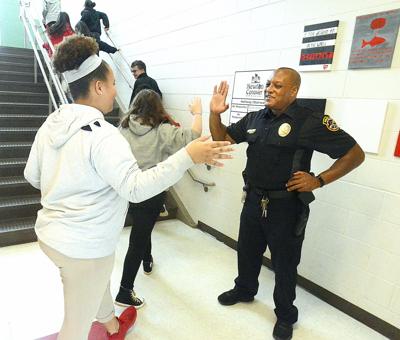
(374, 40)
(248, 93)
(318, 46)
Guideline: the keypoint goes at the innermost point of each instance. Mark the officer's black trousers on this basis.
(144, 217)
(277, 232)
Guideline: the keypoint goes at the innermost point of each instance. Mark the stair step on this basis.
(17, 231)
(16, 120)
(15, 149)
(20, 76)
(16, 186)
(22, 86)
(18, 207)
(17, 224)
(15, 66)
(12, 166)
(16, 58)
(24, 97)
(16, 50)
(19, 108)
(18, 134)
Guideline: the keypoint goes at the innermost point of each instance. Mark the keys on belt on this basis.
(264, 206)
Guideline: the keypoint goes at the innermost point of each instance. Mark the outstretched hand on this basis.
(218, 100)
(203, 150)
(302, 181)
(195, 106)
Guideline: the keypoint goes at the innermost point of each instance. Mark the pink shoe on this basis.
(126, 321)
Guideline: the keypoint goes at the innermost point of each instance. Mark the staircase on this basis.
(23, 108)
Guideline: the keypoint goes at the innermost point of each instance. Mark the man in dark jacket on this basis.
(143, 81)
(92, 18)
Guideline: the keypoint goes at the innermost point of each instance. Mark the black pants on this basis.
(144, 216)
(103, 46)
(277, 232)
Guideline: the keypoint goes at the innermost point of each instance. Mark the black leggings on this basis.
(144, 216)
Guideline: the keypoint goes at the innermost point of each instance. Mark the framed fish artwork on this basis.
(374, 40)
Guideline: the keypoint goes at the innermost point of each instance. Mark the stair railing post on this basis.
(35, 69)
(24, 3)
(50, 103)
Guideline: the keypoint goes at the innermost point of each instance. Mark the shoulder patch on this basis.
(330, 123)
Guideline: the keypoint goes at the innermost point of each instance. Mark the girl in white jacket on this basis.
(87, 174)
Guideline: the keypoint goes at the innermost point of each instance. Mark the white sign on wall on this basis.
(248, 93)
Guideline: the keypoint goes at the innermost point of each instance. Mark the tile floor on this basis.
(191, 269)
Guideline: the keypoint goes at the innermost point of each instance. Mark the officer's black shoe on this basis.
(233, 296)
(282, 330)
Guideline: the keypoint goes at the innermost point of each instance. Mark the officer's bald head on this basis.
(293, 75)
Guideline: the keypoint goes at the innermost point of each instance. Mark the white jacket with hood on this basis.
(87, 174)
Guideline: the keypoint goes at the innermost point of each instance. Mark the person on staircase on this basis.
(92, 19)
(58, 31)
(142, 80)
(82, 28)
(152, 138)
(50, 12)
(86, 173)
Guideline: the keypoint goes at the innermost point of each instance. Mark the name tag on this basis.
(251, 131)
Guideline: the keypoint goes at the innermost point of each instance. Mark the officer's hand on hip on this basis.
(218, 100)
(302, 181)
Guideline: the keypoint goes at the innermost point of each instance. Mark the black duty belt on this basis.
(274, 194)
(267, 195)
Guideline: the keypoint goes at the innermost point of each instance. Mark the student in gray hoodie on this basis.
(86, 173)
(152, 137)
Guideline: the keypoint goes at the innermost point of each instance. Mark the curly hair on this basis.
(70, 54)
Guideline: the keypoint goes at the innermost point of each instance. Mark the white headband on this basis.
(89, 65)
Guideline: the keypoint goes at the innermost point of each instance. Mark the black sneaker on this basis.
(234, 296)
(282, 330)
(148, 266)
(127, 297)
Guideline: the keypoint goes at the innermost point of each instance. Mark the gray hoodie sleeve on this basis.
(114, 162)
(176, 138)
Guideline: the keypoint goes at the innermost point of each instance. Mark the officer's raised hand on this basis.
(217, 106)
(302, 181)
(218, 100)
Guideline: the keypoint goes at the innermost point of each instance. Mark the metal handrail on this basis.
(37, 42)
(56, 81)
(39, 62)
(121, 71)
(204, 183)
(122, 55)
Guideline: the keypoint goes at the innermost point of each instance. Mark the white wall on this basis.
(352, 242)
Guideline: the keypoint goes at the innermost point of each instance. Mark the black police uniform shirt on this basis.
(281, 145)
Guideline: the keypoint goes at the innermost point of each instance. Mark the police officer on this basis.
(279, 185)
